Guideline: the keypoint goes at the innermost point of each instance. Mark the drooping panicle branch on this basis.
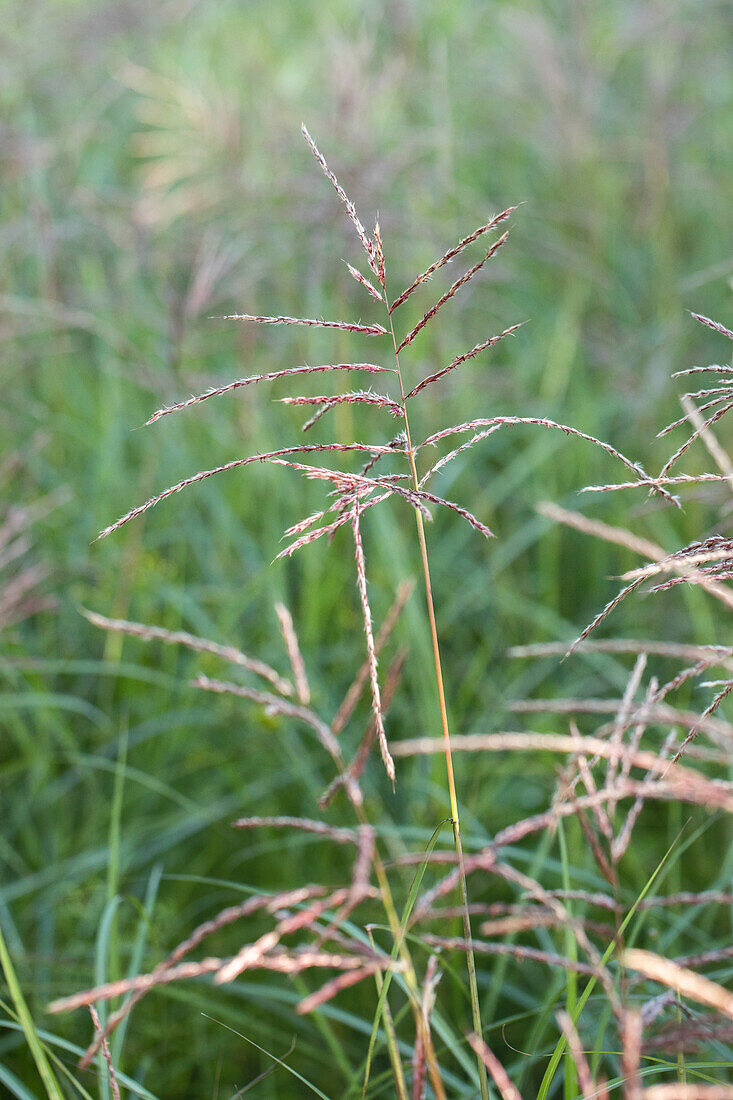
(371, 649)
(304, 448)
(190, 641)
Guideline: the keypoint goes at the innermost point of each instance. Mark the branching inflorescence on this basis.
(320, 912)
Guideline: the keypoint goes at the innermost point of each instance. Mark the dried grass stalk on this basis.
(685, 981)
(295, 656)
(190, 641)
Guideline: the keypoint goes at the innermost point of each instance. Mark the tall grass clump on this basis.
(340, 929)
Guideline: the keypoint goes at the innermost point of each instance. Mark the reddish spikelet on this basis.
(304, 524)
(256, 954)
(506, 1087)
(380, 254)
(450, 293)
(462, 359)
(305, 448)
(350, 208)
(295, 656)
(364, 282)
(728, 393)
(356, 767)
(511, 950)
(343, 714)
(371, 651)
(610, 606)
(217, 391)
(115, 1088)
(329, 529)
(631, 1054)
(713, 368)
(419, 1061)
(415, 497)
(716, 325)
(451, 254)
(359, 397)
(346, 326)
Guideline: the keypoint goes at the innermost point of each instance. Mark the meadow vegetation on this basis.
(154, 178)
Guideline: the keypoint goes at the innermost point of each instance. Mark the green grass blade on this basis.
(561, 1045)
(29, 1028)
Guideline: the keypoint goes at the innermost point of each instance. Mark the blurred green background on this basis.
(153, 175)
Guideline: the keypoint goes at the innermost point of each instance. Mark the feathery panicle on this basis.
(217, 391)
(305, 448)
(451, 254)
(417, 498)
(456, 452)
(371, 650)
(678, 479)
(350, 208)
(296, 658)
(462, 359)
(358, 397)
(199, 645)
(346, 326)
(364, 282)
(450, 293)
(715, 325)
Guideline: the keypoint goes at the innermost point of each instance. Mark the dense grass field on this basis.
(154, 177)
